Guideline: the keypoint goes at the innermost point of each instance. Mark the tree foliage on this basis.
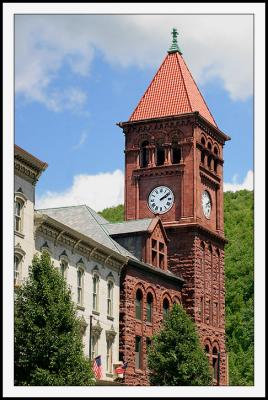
(48, 342)
(239, 282)
(176, 357)
(113, 214)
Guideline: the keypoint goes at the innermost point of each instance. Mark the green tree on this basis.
(239, 272)
(113, 214)
(48, 341)
(176, 357)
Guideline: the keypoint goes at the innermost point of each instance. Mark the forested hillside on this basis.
(239, 281)
(239, 272)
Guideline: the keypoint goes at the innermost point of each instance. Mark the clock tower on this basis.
(174, 169)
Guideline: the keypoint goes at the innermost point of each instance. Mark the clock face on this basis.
(160, 200)
(206, 204)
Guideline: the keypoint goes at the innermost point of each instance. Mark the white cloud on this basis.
(234, 186)
(97, 191)
(218, 46)
(81, 141)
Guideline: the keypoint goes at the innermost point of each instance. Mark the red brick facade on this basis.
(161, 288)
(185, 153)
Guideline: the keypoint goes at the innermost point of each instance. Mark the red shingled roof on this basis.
(172, 91)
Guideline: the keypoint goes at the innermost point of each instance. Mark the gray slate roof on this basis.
(139, 225)
(88, 222)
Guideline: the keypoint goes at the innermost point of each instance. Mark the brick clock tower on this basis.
(174, 169)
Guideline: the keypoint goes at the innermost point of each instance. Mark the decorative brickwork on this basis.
(160, 288)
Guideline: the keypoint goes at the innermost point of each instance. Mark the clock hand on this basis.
(166, 195)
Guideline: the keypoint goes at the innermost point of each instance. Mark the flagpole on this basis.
(90, 333)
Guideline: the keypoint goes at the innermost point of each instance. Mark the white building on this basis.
(81, 249)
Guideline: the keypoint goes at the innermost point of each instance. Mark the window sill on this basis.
(109, 374)
(21, 235)
(79, 307)
(139, 371)
(148, 323)
(110, 317)
(95, 312)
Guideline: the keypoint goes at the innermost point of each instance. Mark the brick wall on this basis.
(130, 327)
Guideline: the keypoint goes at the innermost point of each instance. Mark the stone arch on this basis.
(209, 145)
(176, 300)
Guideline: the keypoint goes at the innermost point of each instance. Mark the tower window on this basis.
(176, 155)
(138, 304)
(209, 146)
(144, 154)
(160, 155)
(203, 141)
(149, 307)
(203, 157)
(215, 165)
(209, 161)
(138, 361)
(215, 365)
(165, 307)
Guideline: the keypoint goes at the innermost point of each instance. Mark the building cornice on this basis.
(77, 242)
(174, 121)
(194, 226)
(156, 271)
(28, 166)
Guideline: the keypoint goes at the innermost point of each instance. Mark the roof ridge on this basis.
(129, 221)
(105, 231)
(150, 84)
(56, 208)
(199, 92)
(183, 80)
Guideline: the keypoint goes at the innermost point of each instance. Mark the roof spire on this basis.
(174, 46)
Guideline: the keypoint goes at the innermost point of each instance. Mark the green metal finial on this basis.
(174, 46)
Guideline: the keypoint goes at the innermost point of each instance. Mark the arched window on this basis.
(17, 269)
(80, 286)
(215, 150)
(203, 141)
(95, 291)
(160, 155)
(63, 267)
(20, 200)
(138, 304)
(215, 165)
(149, 307)
(203, 154)
(215, 365)
(144, 154)
(209, 161)
(209, 146)
(176, 154)
(110, 287)
(165, 307)
(202, 308)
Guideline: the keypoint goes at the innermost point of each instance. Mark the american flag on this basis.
(121, 369)
(97, 367)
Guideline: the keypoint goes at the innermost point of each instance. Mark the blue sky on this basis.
(76, 77)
